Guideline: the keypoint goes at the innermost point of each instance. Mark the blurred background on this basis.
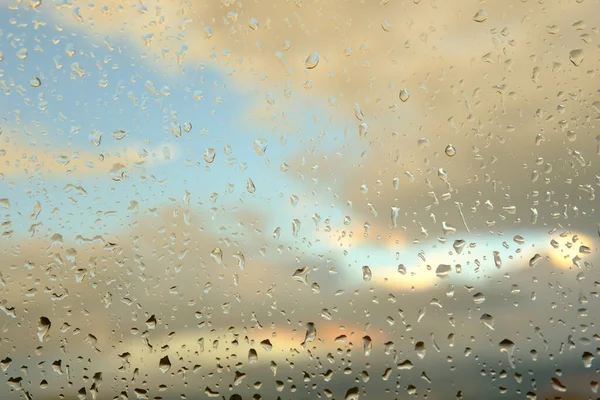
(299, 199)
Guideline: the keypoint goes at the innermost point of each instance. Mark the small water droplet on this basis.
(450, 151)
(443, 270)
(250, 187)
(253, 24)
(209, 155)
(366, 273)
(367, 345)
(44, 325)
(508, 347)
(119, 134)
(311, 333)
(312, 61)
(260, 146)
(252, 356)
(558, 385)
(164, 364)
(35, 82)
(459, 245)
(480, 16)
(497, 259)
(217, 255)
(576, 57)
(363, 130)
(404, 95)
(487, 320)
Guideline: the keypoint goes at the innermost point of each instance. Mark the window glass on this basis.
(300, 199)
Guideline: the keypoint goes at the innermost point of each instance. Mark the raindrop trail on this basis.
(462, 216)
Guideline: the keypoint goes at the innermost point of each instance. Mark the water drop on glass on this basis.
(209, 155)
(404, 95)
(312, 61)
(366, 273)
(480, 16)
(450, 151)
(576, 57)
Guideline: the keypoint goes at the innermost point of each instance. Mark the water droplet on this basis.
(367, 345)
(250, 187)
(260, 146)
(487, 320)
(395, 214)
(459, 245)
(534, 260)
(294, 200)
(22, 53)
(478, 298)
(558, 385)
(35, 82)
(352, 394)
(404, 95)
(519, 240)
(301, 275)
(497, 259)
(119, 134)
(363, 130)
(448, 229)
(164, 364)
(296, 227)
(358, 112)
(209, 155)
(241, 259)
(420, 350)
(508, 347)
(450, 151)
(480, 16)
(587, 359)
(576, 57)
(266, 344)
(151, 322)
(311, 333)
(187, 126)
(253, 24)
(443, 270)
(95, 138)
(423, 143)
(366, 273)
(312, 61)
(44, 325)
(217, 255)
(239, 377)
(252, 356)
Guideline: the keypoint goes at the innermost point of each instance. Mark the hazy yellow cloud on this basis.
(19, 160)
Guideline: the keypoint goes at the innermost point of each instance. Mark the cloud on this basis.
(20, 159)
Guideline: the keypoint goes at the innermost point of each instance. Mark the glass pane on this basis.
(299, 199)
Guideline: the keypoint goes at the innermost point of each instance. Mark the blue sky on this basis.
(76, 106)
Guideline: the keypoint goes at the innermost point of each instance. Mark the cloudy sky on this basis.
(232, 167)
